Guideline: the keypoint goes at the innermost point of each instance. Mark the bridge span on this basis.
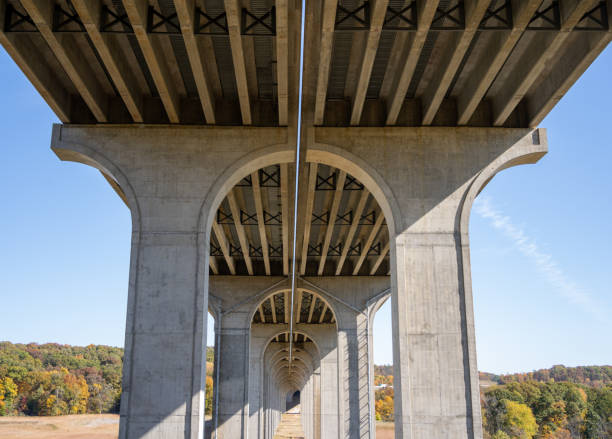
(192, 111)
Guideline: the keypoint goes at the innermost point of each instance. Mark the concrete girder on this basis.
(377, 19)
(232, 9)
(185, 10)
(327, 37)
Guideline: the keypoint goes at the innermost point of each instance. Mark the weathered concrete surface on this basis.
(424, 181)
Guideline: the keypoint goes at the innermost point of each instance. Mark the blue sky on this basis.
(540, 240)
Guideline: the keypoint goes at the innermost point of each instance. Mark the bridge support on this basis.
(424, 181)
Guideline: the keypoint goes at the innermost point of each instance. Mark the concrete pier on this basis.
(408, 241)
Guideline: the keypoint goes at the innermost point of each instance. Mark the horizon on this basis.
(539, 240)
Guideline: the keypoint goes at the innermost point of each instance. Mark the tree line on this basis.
(556, 403)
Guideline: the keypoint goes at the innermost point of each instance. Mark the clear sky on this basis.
(540, 240)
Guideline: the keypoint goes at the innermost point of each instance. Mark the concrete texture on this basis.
(424, 181)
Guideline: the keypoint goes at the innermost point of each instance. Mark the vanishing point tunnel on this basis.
(288, 167)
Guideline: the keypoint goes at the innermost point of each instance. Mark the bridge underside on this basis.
(188, 108)
(229, 62)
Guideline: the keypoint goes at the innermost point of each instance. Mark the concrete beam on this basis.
(451, 60)
(273, 308)
(379, 10)
(244, 242)
(353, 229)
(333, 213)
(426, 11)
(284, 189)
(232, 10)
(379, 260)
(566, 71)
(185, 9)
(222, 239)
(539, 53)
(32, 64)
(118, 69)
(152, 52)
(212, 261)
(327, 42)
(261, 226)
(312, 180)
(300, 296)
(282, 60)
(369, 242)
(497, 52)
(66, 51)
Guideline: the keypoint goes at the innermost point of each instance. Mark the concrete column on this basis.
(233, 383)
(171, 179)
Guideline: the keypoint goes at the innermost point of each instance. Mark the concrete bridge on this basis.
(191, 111)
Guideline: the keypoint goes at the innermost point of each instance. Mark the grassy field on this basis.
(90, 427)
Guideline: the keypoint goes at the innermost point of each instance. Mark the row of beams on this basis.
(42, 77)
(185, 10)
(497, 51)
(539, 53)
(333, 212)
(452, 58)
(426, 13)
(379, 12)
(152, 52)
(66, 51)
(299, 298)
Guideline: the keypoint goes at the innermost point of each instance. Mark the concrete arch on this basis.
(525, 152)
(341, 158)
(267, 156)
(284, 331)
(255, 307)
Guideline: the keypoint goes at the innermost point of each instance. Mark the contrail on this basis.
(544, 262)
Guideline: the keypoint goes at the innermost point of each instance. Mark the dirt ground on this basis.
(60, 427)
(90, 427)
(385, 430)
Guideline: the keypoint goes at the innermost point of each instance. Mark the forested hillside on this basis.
(52, 379)
(556, 403)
